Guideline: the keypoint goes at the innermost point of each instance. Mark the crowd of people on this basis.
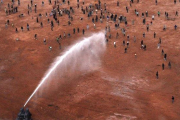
(97, 13)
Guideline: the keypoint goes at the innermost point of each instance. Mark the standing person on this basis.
(16, 30)
(58, 22)
(146, 13)
(175, 27)
(128, 37)
(174, 1)
(35, 36)
(44, 41)
(156, 2)
(27, 26)
(152, 17)
(169, 64)
(132, 21)
(127, 44)
(157, 75)
(41, 24)
(50, 48)
(22, 28)
(114, 44)
(74, 30)
(117, 35)
(164, 28)
(51, 28)
(37, 20)
(87, 27)
(127, 9)
(106, 40)
(49, 2)
(147, 27)
(125, 50)
(18, 2)
(134, 38)
(57, 39)
(6, 25)
(158, 45)
(154, 35)
(162, 52)
(144, 34)
(94, 26)
(83, 31)
(8, 22)
(158, 14)
(59, 45)
(60, 36)
(160, 40)
(117, 3)
(172, 99)
(165, 57)
(176, 14)
(144, 21)
(42, 3)
(163, 66)
(124, 42)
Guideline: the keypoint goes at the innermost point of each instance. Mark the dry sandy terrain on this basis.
(124, 87)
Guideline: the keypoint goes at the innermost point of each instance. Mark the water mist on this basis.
(82, 56)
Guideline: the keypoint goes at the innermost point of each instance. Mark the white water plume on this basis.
(83, 56)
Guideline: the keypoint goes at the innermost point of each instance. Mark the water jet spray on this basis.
(90, 48)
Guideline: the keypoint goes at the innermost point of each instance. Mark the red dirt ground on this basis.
(123, 88)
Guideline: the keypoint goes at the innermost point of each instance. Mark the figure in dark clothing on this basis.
(27, 26)
(127, 44)
(172, 99)
(16, 30)
(127, 9)
(107, 40)
(157, 75)
(162, 52)
(22, 28)
(74, 31)
(8, 22)
(41, 24)
(147, 28)
(176, 13)
(83, 31)
(125, 50)
(175, 27)
(154, 35)
(123, 42)
(163, 66)
(160, 40)
(37, 20)
(165, 57)
(117, 3)
(35, 36)
(169, 64)
(144, 34)
(144, 21)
